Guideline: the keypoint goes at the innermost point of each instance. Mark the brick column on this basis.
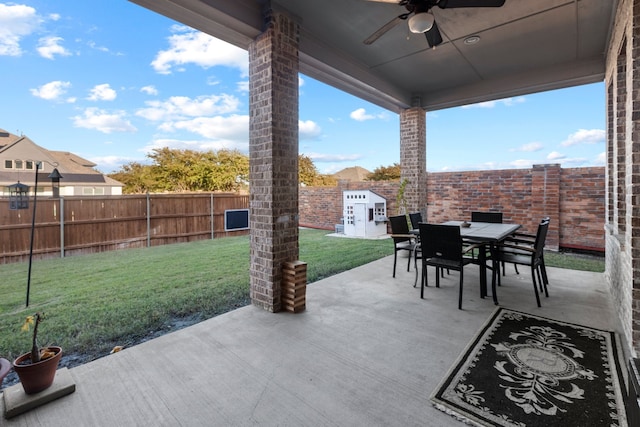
(413, 158)
(273, 154)
(545, 200)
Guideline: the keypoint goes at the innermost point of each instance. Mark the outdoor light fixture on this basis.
(55, 177)
(421, 22)
(18, 196)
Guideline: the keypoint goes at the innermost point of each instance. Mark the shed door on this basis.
(360, 214)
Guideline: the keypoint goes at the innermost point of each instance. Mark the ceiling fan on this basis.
(420, 20)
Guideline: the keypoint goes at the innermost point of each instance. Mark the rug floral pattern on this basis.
(524, 370)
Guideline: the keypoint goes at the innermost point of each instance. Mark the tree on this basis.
(308, 174)
(385, 173)
(174, 170)
(136, 177)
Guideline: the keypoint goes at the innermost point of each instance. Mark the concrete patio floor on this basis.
(366, 351)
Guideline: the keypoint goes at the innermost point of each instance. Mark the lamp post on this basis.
(55, 183)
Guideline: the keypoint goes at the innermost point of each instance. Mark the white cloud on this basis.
(319, 157)
(16, 22)
(108, 164)
(585, 136)
(521, 163)
(300, 81)
(149, 90)
(601, 159)
(230, 132)
(102, 121)
(48, 47)
(52, 91)
(243, 86)
(183, 107)
(530, 147)
(308, 129)
(554, 155)
(93, 45)
(102, 92)
(361, 115)
(508, 102)
(187, 46)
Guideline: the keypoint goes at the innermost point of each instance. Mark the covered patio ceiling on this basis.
(524, 46)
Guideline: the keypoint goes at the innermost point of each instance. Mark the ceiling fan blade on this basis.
(382, 30)
(434, 38)
(448, 4)
(384, 1)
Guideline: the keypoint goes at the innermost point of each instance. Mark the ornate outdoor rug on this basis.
(525, 370)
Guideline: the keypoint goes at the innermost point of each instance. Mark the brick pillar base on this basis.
(273, 155)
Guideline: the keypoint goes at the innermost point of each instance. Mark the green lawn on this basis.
(94, 302)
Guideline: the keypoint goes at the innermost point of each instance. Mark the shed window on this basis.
(18, 164)
(8, 164)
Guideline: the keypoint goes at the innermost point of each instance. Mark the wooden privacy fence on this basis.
(80, 225)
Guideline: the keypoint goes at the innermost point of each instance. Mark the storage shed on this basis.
(364, 213)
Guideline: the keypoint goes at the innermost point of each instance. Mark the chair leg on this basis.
(495, 273)
(409, 260)
(423, 280)
(460, 296)
(544, 273)
(415, 266)
(542, 281)
(535, 285)
(395, 258)
(516, 267)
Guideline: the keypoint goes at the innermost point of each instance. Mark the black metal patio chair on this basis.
(403, 240)
(529, 255)
(442, 248)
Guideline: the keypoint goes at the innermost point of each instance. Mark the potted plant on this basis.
(37, 368)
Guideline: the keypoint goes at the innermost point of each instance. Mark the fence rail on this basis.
(79, 225)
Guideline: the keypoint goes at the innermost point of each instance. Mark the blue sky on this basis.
(109, 81)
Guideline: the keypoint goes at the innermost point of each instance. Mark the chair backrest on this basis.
(399, 225)
(541, 237)
(442, 241)
(415, 218)
(492, 217)
(5, 367)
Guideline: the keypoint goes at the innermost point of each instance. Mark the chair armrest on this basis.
(469, 248)
(408, 236)
(519, 241)
(518, 248)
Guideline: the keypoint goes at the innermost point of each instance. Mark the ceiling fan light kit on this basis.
(421, 22)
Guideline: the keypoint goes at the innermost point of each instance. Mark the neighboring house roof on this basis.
(74, 169)
(354, 173)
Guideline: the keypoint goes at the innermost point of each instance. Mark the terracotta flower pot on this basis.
(36, 377)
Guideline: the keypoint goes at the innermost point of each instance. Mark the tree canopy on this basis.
(385, 173)
(174, 170)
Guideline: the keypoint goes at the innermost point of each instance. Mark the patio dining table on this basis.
(488, 235)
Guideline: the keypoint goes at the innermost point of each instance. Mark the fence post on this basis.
(61, 227)
(212, 217)
(148, 220)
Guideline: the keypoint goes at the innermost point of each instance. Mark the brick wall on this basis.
(573, 198)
